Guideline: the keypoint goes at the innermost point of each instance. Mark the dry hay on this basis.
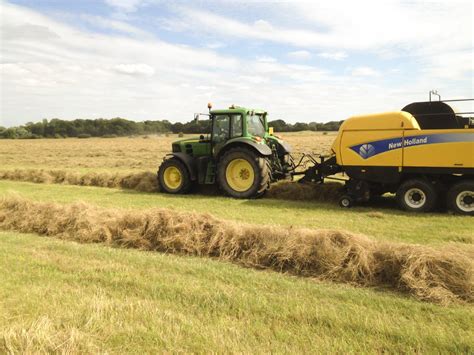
(121, 154)
(440, 275)
(147, 182)
(286, 190)
(142, 181)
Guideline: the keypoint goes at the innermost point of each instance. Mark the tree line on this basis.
(119, 127)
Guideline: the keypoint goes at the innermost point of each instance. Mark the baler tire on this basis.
(346, 201)
(411, 192)
(185, 183)
(454, 195)
(261, 172)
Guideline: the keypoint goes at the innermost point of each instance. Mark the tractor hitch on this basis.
(317, 170)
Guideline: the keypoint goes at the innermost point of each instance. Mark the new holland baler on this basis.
(423, 153)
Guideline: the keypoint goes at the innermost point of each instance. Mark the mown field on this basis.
(119, 154)
(63, 296)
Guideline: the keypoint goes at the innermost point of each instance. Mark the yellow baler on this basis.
(424, 154)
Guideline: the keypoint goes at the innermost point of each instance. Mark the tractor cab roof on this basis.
(238, 109)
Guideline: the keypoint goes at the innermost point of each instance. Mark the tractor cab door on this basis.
(224, 127)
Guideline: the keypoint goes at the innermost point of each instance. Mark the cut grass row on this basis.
(441, 275)
(61, 296)
(381, 222)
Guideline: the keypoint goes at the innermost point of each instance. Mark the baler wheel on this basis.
(346, 201)
(417, 195)
(460, 198)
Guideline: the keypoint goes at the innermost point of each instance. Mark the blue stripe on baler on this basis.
(370, 149)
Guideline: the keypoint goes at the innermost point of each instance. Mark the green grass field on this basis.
(387, 223)
(66, 297)
(60, 296)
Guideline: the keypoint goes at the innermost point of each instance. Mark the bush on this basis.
(109, 136)
(83, 135)
(34, 136)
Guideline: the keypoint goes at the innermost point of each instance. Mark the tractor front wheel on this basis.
(173, 177)
(242, 173)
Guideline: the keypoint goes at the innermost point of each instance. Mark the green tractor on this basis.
(240, 154)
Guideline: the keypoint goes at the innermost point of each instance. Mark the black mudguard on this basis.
(283, 148)
(189, 161)
(263, 149)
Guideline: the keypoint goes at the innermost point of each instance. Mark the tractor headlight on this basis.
(175, 148)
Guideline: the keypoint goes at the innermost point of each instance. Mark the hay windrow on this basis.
(440, 275)
(142, 181)
(286, 190)
(147, 182)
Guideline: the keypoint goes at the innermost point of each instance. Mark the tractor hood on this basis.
(179, 145)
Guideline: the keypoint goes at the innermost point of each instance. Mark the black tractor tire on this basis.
(166, 183)
(417, 195)
(261, 172)
(460, 198)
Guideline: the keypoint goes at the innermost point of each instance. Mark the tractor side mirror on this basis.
(198, 115)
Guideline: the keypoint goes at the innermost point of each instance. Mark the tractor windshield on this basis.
(256, 125)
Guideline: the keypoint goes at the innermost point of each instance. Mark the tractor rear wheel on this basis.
(242, 173)
(173, 177)
(417, 196)
(460, 198)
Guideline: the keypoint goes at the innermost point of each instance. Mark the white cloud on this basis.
(333, 55)
(204, 21)
(61, 71)
(116, 25)
(389, 28)
(451, 65)
(402, 25)
(300, 55)
(263, 26)
(215, 45)
(266, 59)
(125, 5)
(365, 71)
(135, 69)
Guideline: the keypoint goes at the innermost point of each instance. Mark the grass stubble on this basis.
(441, 275)
(146, 181)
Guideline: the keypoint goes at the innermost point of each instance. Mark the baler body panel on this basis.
(451, 148)
(366, 128)
(363, 147)
(381, 147)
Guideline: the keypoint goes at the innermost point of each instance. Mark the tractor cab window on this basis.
(256, 125)
(220, 128)
(236, 126)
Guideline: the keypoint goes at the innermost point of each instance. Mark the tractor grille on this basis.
(189, 149)
(175, 148)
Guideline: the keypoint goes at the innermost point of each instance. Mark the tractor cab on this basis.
(235, 131)
(236, 123)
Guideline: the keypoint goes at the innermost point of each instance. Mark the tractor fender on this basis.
(187, 160)
(262, 149)
(283, 148)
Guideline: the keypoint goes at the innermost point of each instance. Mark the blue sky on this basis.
(300, 60)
